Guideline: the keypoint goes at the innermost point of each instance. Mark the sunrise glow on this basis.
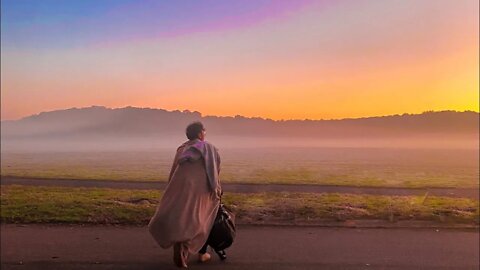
(273, 59)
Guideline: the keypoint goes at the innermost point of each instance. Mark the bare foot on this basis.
(204, 257)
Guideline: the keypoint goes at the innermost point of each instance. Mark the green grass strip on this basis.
(27, 204)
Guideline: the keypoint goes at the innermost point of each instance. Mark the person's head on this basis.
(195, 130)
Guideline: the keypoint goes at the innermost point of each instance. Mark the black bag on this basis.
(223, 231)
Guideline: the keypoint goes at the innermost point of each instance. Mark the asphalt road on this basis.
(97, 247)
(472, 193)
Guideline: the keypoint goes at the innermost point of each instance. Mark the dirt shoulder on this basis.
(472, 193)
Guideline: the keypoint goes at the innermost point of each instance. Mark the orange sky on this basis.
(336, 60)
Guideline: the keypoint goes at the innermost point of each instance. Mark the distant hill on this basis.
(138, 125)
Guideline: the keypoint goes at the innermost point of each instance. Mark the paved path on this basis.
(90, 247)
(249, 188)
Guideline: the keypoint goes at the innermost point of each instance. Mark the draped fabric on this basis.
(198, 149)
(191, 199)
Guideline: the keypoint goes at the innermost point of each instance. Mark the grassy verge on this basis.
(24, 204)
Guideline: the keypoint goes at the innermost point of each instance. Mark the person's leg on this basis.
(203, 250)
(184, 255)
(177, 260)
(180, 255)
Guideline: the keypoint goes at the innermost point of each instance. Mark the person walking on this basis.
(186, 213)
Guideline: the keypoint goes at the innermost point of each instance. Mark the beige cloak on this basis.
(190, 203)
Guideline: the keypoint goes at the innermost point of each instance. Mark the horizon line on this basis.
(239, 116)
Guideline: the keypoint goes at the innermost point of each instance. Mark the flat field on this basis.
(328, 166)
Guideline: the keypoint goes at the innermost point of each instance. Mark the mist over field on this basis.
(135, 129)
(430, 149)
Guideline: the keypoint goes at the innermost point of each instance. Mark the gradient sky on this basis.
(278, 59)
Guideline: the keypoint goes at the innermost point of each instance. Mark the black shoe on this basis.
(221, 254)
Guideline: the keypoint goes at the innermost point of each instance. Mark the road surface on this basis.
(256, 247)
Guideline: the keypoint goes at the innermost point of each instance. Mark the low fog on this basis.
(142, 129)
(231, 142)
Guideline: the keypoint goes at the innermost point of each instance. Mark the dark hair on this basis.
(193, 129)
